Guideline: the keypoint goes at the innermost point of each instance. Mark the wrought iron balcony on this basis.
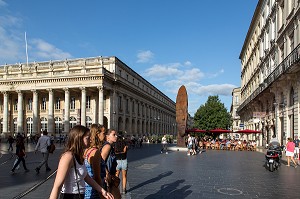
(291, 60)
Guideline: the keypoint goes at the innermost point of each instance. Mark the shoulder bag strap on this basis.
(76, 177)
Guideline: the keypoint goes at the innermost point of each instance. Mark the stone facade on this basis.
(56, 95)
(270, 77)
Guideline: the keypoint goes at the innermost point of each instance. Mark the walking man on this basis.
(42, 146)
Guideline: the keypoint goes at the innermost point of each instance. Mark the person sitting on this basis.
(274, 142)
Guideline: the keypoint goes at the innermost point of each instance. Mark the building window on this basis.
(72, 103)
(292, 97)
(104, 102)
(44, 124)
(1, 125)
(30, 104)
(120, 103)
(132, 106)
(29, 123)
(88, 121)
(291, 38)
(44, 101)
(16, 105)
(127, 105)
(73, 122)
(15, 125)
(88, 101)
(57, 104)
(58, 125)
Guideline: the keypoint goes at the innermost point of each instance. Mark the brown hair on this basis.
(75, 142)
(290, 139)
(94, 130)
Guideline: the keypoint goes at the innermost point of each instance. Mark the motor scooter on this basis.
(273, 157)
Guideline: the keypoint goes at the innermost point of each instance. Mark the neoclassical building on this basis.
(56, 95)
(270, 77)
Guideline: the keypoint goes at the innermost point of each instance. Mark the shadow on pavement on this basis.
(171, 191)
(152, 180)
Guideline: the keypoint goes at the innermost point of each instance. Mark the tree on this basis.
(212, 115)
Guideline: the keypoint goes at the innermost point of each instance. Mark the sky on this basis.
(195, 43)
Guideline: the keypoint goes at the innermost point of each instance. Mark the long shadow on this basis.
(152, 180)
(146, 151)
(170, 191)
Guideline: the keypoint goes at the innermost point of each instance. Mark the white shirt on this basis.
(70, 185)
(43, 143)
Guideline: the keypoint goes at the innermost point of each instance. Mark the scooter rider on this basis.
(274, 142)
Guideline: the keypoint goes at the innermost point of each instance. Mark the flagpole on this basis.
(26, 49)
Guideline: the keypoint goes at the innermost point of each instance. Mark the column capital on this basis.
(5, 92)
(50, 90)
(19, 92)
(101, 88)
(66, 89)
(34, 91)
(82, 88)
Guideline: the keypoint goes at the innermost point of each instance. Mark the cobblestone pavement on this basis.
(211, 174)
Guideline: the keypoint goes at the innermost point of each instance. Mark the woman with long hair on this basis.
(122, 164)
(72, 173)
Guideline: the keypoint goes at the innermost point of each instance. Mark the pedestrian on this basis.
(189, 144)
(92, 162)
(20, 152)
(121, 149)
(290, 147)
(10, 141)
(109, 157)
(42, 146)
(296, 141)
(72, 173)
(164, 144)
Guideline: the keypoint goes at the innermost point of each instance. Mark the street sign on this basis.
(241, 125)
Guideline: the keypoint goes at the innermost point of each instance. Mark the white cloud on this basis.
(144, 56)
(45, 50)
(12, 42)
(2, 3)
(213, 89)
(163, 71)
(187, 63)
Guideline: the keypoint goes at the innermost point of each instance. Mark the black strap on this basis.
(76, 177)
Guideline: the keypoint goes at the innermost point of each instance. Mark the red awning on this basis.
(247, 131)
(219, 131)
(195, 130)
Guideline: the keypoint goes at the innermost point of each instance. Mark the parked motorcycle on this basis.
(273, 157)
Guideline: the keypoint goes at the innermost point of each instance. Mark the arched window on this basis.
(29, 122)
(44, 124)
(88, 121)
(58, 125)
(73, 122)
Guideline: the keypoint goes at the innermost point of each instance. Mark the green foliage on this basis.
(212, 115)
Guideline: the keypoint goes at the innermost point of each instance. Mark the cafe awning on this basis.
(247, 131)
(195, 130)
(219, 130)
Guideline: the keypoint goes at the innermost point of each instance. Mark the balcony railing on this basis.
(284, 66)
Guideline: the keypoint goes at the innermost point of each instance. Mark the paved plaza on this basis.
(212, 174)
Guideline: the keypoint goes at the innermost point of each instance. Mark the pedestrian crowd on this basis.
(89, 166)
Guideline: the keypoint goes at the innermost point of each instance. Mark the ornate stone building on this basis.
(270, 77)
(57, 95)
(236, 101)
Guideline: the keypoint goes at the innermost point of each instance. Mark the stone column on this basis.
(5, 112)
(101, 106)
(67, 111)
(35, 112)
(83, 106)
(51, 123)
(20, 112)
